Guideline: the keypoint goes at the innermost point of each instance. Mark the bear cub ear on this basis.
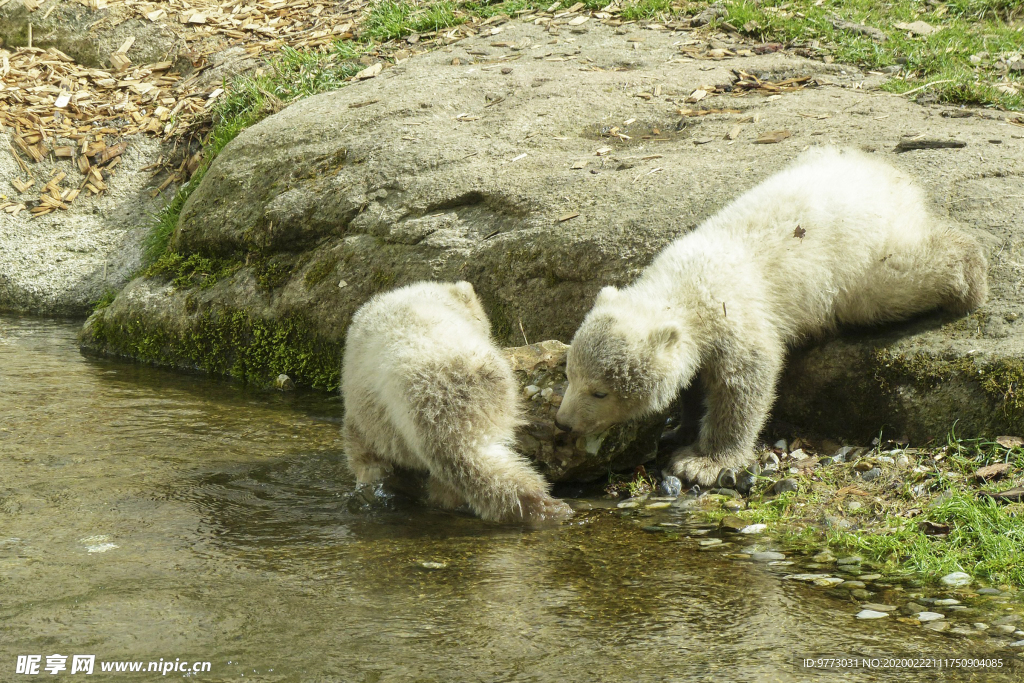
(665, 337)
(607, 295)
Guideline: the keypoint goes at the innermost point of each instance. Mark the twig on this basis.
(523, 331)
(922, 87)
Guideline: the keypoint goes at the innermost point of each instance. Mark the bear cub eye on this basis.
(599, 394)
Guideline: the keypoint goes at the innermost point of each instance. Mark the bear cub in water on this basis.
(426, 388)
(837, 238)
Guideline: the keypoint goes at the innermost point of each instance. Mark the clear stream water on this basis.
(146, 514)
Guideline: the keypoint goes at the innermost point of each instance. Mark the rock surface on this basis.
(541, 168)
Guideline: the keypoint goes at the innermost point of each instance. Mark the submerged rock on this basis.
(956, 580)
(871, 614)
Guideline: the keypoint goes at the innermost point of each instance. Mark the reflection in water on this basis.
(145, 514)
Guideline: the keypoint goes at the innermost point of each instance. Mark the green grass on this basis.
(968, 27)
(390, 19)
(291, 76)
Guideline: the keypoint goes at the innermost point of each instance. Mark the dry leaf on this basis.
(1010, 441)
(992, 472)
(697, 95)
(370, 71)
(734, 132)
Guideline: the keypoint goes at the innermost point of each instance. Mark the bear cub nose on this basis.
(562, 426)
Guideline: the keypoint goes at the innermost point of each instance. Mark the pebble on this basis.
(766, 556)
(903, 461)
(828, 582)
(871, 614)
(886, 460)
(936, 625)
(531, 390)
(824, 556)
(670, 486)
(433, 565)
(854, 584)
(872, 474)
(628, 504)
(989, 591)
(708, 542)
(660, 505)
(852, 559)
(1008, 619)
(732, 523)
(870, 577)
(654, 529)
(770, 464)
(912, 608)
(860, 593)
(781, 563)
(929, 616)
(981, 626)
(1019, 643)
(731, 493)
(956, 580)
(753, 528)
(854, 505)
(726, 478)
(807, 577)
(732, 505)
(878, 607)
(784, 486)
(947, 601)
(1005, 628)
(837, 522)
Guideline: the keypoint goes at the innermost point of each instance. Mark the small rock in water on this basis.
(659, 505)
(629, 503)
(878, 607)
(929, 616)
(727, 478)
(981, 626)
(732, 505)
(708, 542)
(989, 591)
(837, 522)
(753, 528)
(824, 556)
(935, 625)
(766, 556)
(433, 565)
(854, 584)
(871, 614)
(670, 486)
(284, 383)
(872, 474)
(860, 593)
(828, 582)
(886, 460)
(1005, 628)
(807, 577)
(912, 608)
(870, 577)
(1019, 643)
(947, 601)
(784, 486)
(852, 559)
(956, 580)
(732, 523)
(731, 493)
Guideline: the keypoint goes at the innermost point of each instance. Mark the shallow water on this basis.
(147, 515)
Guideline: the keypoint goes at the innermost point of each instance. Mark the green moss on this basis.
(105, 300)
(230, 343)
(382, 279)
(272, 273)
(190, 271)
(1005, 381)
(319, 271)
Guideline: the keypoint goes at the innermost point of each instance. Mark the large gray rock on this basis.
(501, 169)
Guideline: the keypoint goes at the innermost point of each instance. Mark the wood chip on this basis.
(21, 185)
(773, 137)
(370, 71)
(910, 145)
(568, 216)
(357, 105)
(580, 164)
(109, 153)
(734, 132)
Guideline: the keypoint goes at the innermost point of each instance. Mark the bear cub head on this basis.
(628, 359)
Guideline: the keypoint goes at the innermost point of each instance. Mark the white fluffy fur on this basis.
(426, 389)
(837, 238)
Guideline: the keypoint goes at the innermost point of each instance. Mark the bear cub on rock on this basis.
(837, 238)
(426, 388)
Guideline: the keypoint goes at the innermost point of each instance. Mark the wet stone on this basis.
(753, 528)
(956, 580)
(935, 626)
(947, 601)
(989, 591)
(1008, 619)
(1004, 628)
(284, 383)
(852, 559)
(871, 614)
(658, 505)
(870, 577)
(732, 505)
(878, 607)
(828, 582)
(980, 625)
(854, 584)
(861, 594)
(766, 556)
(709, 542)
(912, 608)
(824, 556)
(732, 523)
(670, 486)
(929, 616)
